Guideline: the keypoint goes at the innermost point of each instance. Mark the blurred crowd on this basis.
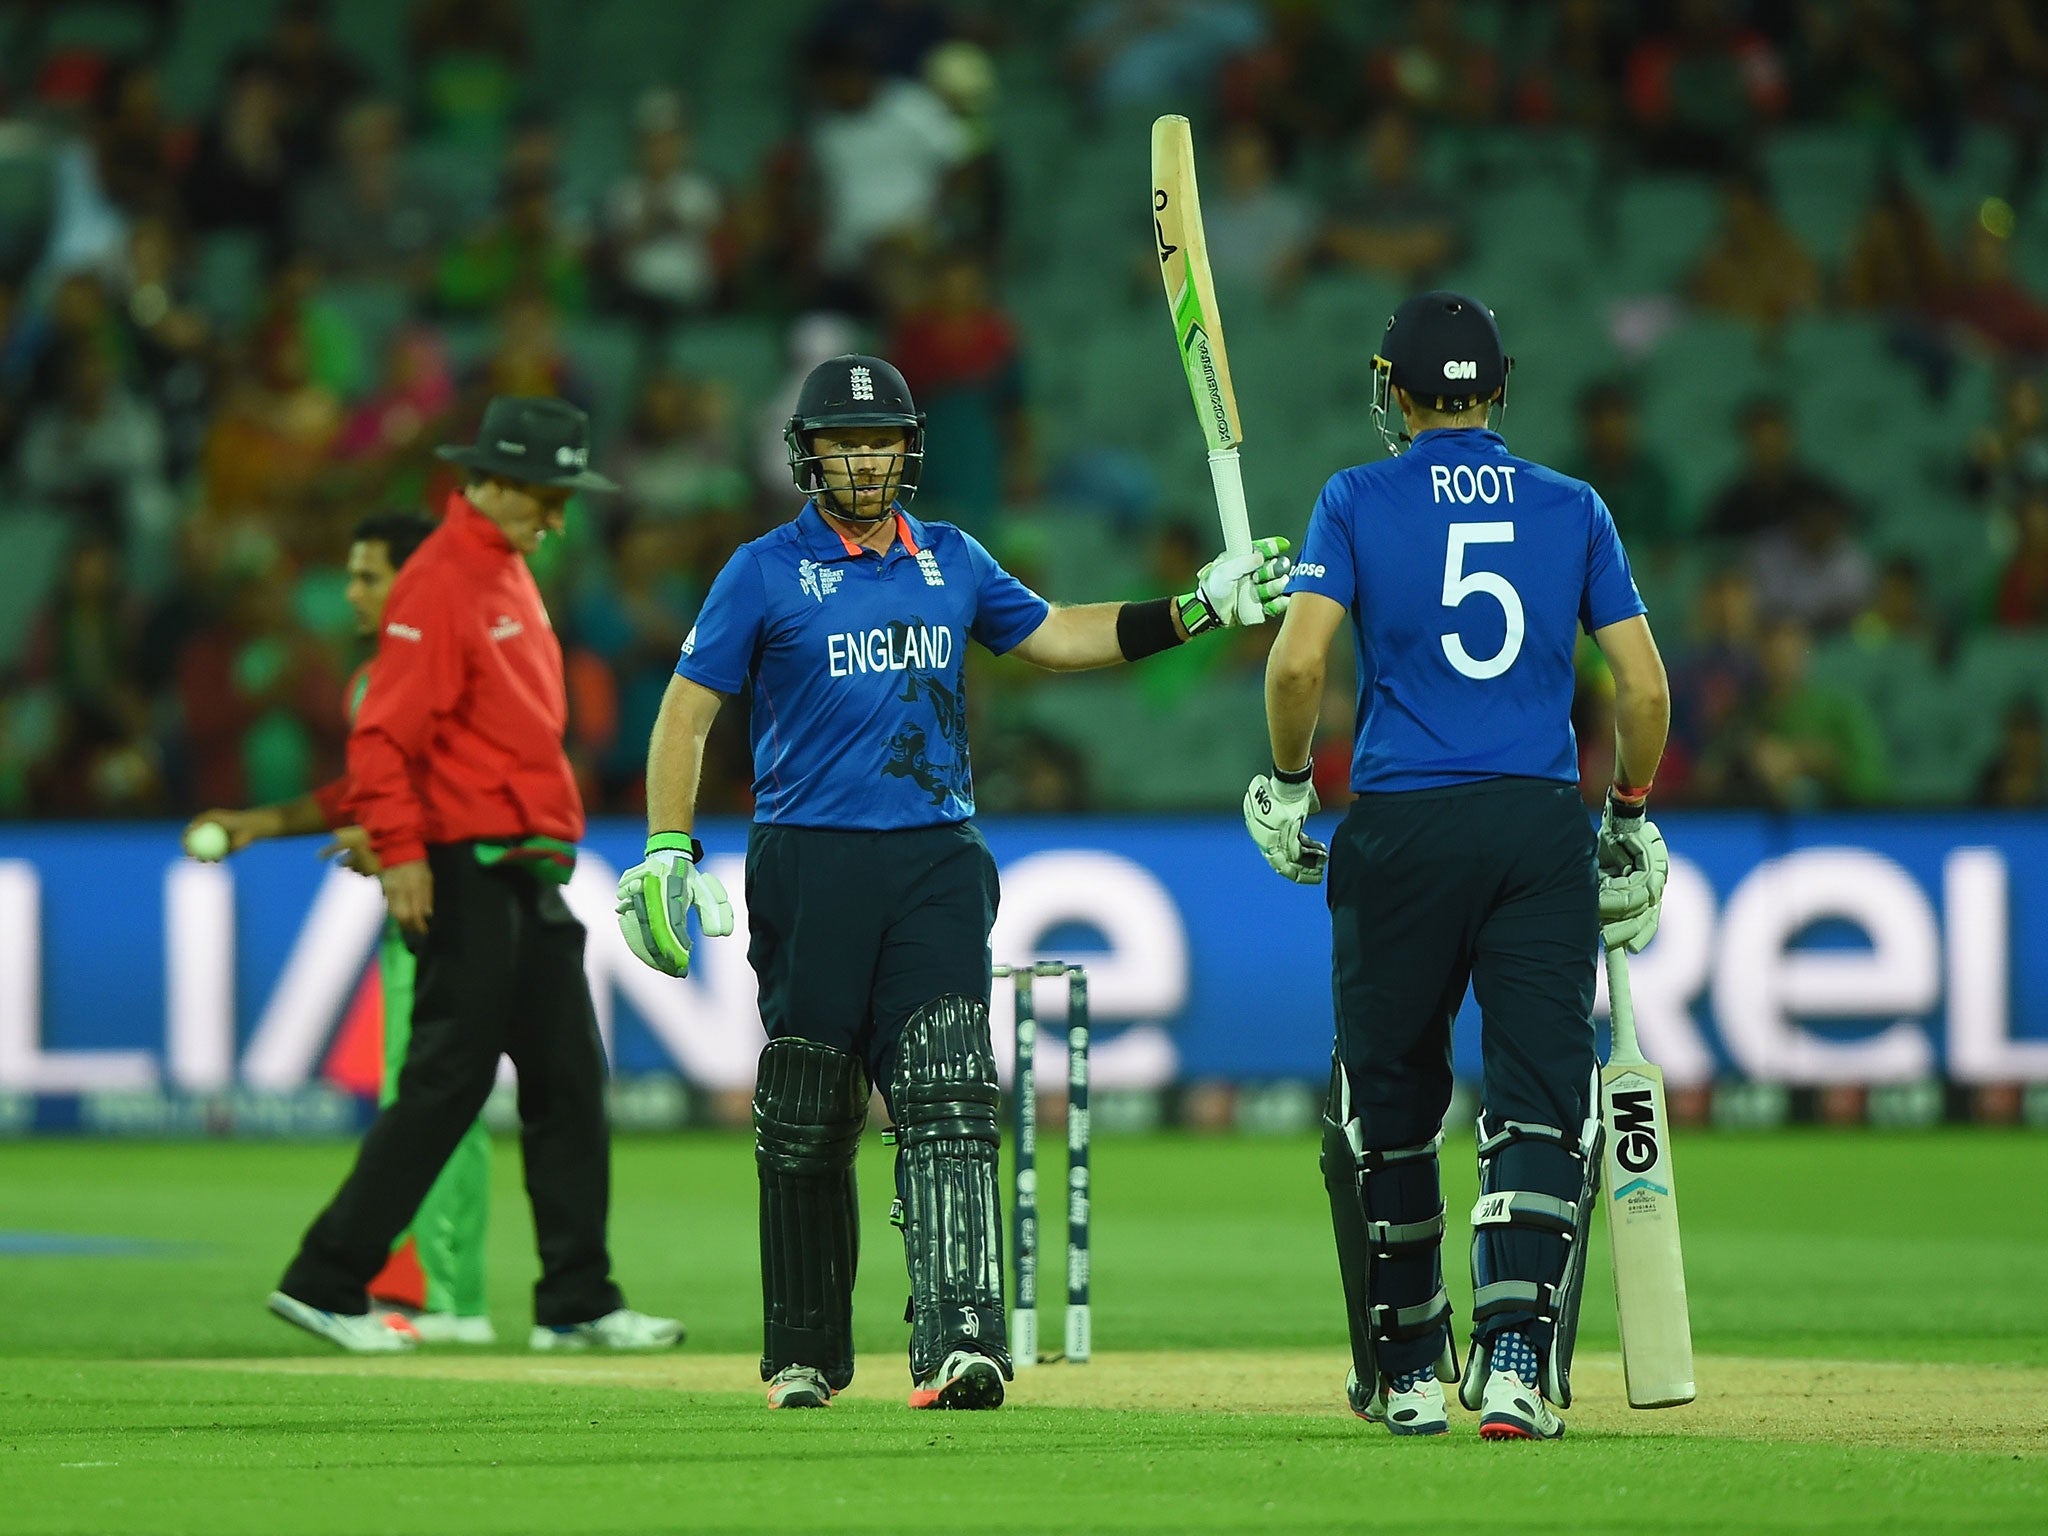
(230, 337)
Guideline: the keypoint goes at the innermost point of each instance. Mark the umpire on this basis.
(459, 777)
(870, 894)
(1468, 856)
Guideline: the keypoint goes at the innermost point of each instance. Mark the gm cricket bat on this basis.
(1198, 328)
(1642, 1212)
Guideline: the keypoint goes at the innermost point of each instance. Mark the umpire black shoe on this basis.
(963, 1380)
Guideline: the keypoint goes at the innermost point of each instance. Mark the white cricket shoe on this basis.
(450, 1328)
(1511, 1407)
(360, 1333)
(1408, 1405)
(623, 1329)
(964, 1379)
(799, 1386)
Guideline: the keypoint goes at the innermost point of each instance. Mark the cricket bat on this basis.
(1642, 1212)
(1198, 328)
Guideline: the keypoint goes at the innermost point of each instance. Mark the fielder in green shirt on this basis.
(436, 1274)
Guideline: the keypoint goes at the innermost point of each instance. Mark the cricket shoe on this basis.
(623, 1329)
(1410, 1404)
(1510, 1407)
(963, 1380)
(799, 1386)
(448, 1327)
(360, 1333)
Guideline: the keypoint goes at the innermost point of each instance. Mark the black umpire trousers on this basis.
(500, 973)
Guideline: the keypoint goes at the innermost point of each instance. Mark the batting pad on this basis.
(945, 1099)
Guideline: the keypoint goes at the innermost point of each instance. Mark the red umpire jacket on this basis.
(333, 797)
(459, 737)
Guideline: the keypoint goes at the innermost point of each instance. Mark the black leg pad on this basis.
(945, 1099)
(810, 1102)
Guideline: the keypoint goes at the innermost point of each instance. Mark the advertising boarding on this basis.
(1805, 952)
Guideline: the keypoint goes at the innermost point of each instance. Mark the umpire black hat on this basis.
(532, 441)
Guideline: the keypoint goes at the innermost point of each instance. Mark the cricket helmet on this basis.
(1444, 349)
(854, 390)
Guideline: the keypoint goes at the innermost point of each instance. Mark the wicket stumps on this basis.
(1024, 1204)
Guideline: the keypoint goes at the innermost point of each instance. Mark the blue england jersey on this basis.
(853, 663)
(1468, 573)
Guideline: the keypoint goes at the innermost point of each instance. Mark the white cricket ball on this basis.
(207, 842)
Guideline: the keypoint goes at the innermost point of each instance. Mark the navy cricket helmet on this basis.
(854, 390)
(1444, 349)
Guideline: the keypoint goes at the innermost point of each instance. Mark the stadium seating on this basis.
(1161, 759)
(1585, 262)
(205, 39)
(1693, 387)
(1661, 226)
(1982, 166)
(743, 352)
(1821, 179)
(35, 542)
(25, 197)
(227, 276)
(607, 355)
(97, 26)
(375, 311)
(1997, 668)
(1882, 673)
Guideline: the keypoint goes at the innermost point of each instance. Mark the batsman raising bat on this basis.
(1468, 856)
(870, 895)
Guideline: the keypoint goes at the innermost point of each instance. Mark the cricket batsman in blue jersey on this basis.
(1468, 856)
(870, 895)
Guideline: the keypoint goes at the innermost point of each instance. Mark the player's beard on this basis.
(846, 504)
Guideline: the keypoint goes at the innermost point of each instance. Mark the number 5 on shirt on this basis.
(1460, 585)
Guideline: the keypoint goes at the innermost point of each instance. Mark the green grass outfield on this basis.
(1868, 1310)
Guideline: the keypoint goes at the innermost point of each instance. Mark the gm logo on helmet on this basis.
(1457, 370)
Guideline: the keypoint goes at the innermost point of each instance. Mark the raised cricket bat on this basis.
(1198, 328)
(1642, 1212)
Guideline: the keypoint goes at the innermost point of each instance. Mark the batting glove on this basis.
(1274, 811)
(1261, 572)
(1633, 868)
(655, 898)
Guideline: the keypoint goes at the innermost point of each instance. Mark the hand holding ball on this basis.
(207, 842)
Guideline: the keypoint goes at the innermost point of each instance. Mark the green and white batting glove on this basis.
(1263, 570)
(655, 898)
(1633, 868)
(1274, 811)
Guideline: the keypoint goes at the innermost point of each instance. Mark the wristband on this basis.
(1628, 800)
(676, 842)
(1299, 775)
(1146, 629)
